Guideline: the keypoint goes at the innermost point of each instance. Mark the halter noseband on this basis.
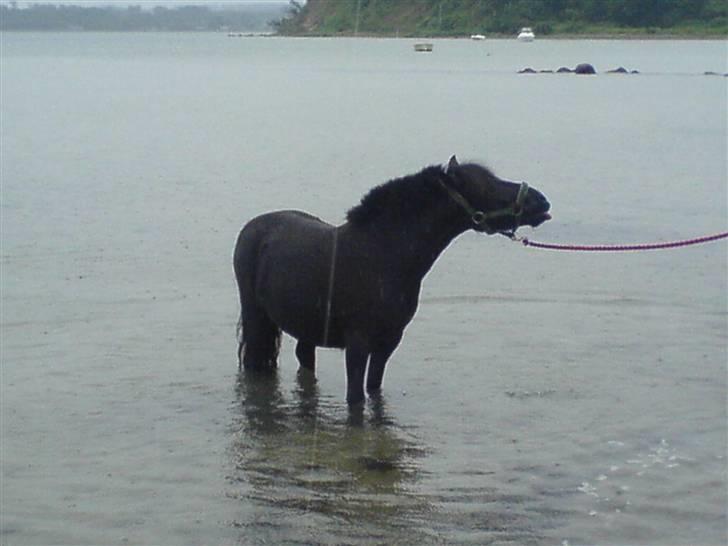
(480, 218)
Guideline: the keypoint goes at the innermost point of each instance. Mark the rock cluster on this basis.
(582, 68)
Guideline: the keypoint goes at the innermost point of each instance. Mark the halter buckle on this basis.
(478, 217)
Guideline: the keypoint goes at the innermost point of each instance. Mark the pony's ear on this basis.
(451, 164)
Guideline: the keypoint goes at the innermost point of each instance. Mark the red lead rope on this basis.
(625, 248)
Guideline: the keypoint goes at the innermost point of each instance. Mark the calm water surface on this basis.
(537, 398)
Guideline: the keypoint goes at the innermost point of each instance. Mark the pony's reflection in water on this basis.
(303, 453)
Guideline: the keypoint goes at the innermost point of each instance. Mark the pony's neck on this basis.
(416, 243)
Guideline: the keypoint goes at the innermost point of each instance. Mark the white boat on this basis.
(423, 47)
(477, 37)
(526, 35)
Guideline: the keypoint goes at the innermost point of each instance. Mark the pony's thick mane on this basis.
(400, 198)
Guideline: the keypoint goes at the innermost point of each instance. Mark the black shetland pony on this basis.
(356, 286)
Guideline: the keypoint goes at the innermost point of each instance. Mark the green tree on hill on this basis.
(461, 17)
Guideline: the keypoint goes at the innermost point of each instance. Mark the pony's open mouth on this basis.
(532, 221)
(538, 219)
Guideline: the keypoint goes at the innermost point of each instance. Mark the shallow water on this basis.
(537, 397)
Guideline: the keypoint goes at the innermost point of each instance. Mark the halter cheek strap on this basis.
(479, 218)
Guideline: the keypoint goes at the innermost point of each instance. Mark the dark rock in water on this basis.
(528, 70)
(584, 68)
(564, 70)
(711, 73)
(545, 71)
(620, 70)
(635, 72)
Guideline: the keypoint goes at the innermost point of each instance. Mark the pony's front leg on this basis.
(306, 354)
(380, 356)
(357, 354)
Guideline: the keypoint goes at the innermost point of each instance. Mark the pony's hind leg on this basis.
(260, 340)
(306, 354)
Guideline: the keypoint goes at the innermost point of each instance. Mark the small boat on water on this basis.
(423, 47)
(477, 37)
(526, 35)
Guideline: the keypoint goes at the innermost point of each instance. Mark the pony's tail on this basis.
(240, 277)
(239, 336)
(259, 338)
(259, 341)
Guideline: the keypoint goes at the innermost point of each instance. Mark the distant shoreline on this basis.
(264, 34)
(595, 36)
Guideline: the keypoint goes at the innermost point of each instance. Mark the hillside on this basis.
(505, 17)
